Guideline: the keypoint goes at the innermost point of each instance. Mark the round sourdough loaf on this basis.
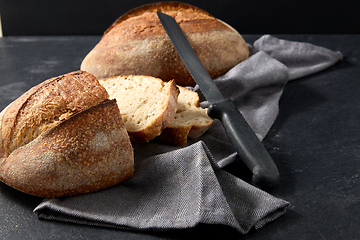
(64, 137)
(137, 44)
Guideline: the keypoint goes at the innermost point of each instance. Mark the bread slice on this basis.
(64, 137)
(147, 104)
(190, 120)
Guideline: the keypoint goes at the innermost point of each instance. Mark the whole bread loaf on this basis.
(64, 137)
(147, 104)
(137, 44)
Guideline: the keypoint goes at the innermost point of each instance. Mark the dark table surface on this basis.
(314, 142)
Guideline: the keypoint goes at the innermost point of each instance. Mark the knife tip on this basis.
(163, 15)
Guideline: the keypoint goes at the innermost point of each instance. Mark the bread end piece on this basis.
(190, 121)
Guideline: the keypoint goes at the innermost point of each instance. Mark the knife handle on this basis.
(246, 143)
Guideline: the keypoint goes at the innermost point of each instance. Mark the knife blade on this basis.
(246, 143)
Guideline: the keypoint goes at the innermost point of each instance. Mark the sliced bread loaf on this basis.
(147, 104)
(190, 120)
(45, 105)
(64, 137)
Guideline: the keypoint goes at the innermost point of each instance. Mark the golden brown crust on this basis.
(87, 152)
(136, 44)
(44, 105)
(64, 137)
(154, 7)
(148, 25)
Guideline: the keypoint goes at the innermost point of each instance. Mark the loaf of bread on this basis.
(137, 44)
(64, 137)
(190, 120)
(147, 104)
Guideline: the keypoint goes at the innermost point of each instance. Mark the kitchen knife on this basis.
(242, 137)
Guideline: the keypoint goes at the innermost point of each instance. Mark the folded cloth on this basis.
(177, 188)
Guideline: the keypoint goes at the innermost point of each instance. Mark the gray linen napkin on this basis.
(177, 188)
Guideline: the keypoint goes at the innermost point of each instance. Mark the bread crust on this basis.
(44, 105)
(64, 137)
(137, 44)
(154, 7)
(85, 153)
